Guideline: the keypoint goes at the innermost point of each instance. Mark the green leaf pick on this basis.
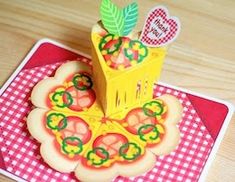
(112, 17)
(130, 13)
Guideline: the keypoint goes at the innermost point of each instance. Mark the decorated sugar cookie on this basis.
(75, 135)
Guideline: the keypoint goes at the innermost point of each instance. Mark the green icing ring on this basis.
(126, 146)
(141, 135)
(146, 110)
(104, 41)
(131, 56)
(61, 94)
(103, 151)
(75, 81)
(56, 127)
(72, 138)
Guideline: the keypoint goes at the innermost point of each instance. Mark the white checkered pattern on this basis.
(21, 152)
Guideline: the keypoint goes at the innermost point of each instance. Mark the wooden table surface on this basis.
(202, 59)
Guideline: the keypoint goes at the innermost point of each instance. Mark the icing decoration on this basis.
(130, 151)
(99, 153)
(56, 121)
(136, 51)
(76, 94)
(110, 44)
(136, 118)
(72, 145)
(147, 127)
(82, 82)
(153, 108)
(120, 53)
(160, 29)
(111, 142)
(62, 99)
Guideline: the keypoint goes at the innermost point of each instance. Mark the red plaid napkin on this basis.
(21, 152)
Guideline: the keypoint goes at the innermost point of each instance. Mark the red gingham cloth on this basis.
(148, 37)
(21, 152)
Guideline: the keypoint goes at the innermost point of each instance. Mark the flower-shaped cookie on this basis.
(76, 136)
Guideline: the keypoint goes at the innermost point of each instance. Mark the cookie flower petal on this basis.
(41, 91)
(52, 156)
(70, 90)
(48, 149)
(142, 165)
(36, 125)
(172, 135)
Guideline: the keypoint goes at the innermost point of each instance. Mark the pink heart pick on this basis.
(160, 29)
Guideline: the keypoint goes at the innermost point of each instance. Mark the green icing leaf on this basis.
(112, 17)
(130, 13)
